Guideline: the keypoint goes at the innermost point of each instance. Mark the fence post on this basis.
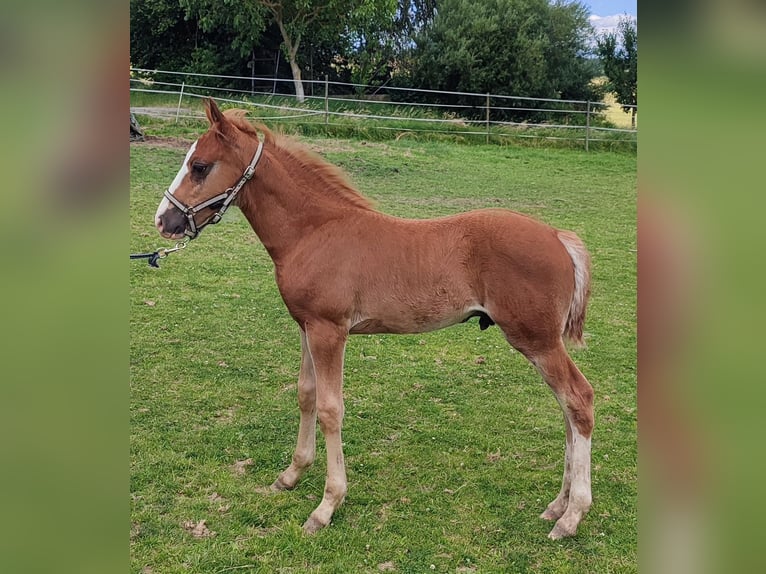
(587, 128)
(180, 97)
(487, 138)
(326, 101)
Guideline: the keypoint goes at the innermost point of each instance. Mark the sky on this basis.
(605, 14)
(611, 7)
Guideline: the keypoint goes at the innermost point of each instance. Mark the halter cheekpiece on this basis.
(227, 198)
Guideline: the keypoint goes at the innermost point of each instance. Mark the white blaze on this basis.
(164, 204)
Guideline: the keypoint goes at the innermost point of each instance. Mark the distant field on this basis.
(615, 115)
(453, 443)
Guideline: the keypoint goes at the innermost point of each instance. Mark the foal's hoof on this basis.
(313, 525)
(550, 514)
(562, 531)
(554, 511)
(279, 486)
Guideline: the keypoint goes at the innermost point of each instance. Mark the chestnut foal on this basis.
(344, 268)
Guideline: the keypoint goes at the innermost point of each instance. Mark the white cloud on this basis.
(607, 24)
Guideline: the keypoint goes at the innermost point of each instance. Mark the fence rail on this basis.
(433, 117)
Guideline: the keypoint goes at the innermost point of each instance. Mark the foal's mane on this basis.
(333, 177)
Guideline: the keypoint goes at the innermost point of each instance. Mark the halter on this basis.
(227, 197)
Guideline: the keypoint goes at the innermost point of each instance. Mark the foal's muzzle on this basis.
(189, 226)
(172, 223)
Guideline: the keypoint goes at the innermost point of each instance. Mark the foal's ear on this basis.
(217, 120)
(214, 115)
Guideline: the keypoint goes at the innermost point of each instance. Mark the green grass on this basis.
(450, 460)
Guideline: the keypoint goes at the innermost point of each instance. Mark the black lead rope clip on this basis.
(152, 257)
(161, 253)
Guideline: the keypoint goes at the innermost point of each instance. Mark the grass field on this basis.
(453, 443)
(354, 119)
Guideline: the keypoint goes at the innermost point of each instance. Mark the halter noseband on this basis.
(227, 197)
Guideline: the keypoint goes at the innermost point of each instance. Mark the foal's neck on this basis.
(287, 200)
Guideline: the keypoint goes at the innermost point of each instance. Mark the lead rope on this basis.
(155, 256)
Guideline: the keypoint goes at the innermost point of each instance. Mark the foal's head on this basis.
(201, 190)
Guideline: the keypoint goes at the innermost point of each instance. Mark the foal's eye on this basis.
(200, 169)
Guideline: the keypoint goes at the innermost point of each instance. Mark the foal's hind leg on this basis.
(305, 450)
(557, 508)
(575, 395)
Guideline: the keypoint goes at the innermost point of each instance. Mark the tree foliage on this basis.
(374, 45)
(619, 56)
(322, 21)
(515, 47)
(162, 36)
(536, 48)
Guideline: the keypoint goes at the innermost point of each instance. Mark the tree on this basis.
(618, 52)
(532, 48)
(294, 18)
(163, 36)
(325, 20)
(322, 20)
(374, 45)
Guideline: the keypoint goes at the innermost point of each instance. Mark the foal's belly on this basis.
(412, 323)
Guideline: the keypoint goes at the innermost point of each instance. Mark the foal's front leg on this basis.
(326, 344)
(305, 450)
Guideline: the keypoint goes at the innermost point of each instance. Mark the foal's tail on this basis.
(581, 263)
